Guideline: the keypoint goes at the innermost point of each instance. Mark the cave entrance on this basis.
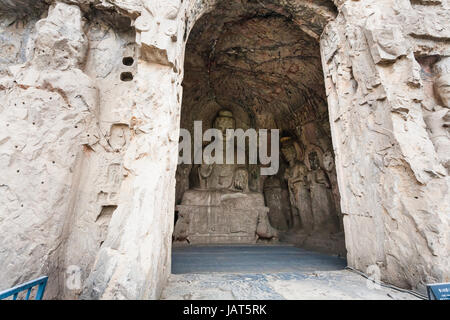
(251, 66)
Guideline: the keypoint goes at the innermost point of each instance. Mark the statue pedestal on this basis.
(219, 216)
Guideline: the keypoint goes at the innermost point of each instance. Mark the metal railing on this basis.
(41, 283)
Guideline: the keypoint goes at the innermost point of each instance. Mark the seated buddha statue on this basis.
(223, 176)
(222, 209)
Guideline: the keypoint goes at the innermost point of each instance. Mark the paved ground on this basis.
(265, 272)
(251, 259)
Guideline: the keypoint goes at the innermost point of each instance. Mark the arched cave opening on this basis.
(249, 66)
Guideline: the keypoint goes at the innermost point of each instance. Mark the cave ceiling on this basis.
(256, 61)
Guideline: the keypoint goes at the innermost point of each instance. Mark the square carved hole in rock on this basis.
(126, 76)
(128, 61)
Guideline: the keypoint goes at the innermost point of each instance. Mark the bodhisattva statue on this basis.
(299, 195)
(222, 209)
(325, 218)
(182, 178)
(330, 168)
(277, 199)
(438, 121)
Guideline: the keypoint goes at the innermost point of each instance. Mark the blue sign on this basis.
(438, 291)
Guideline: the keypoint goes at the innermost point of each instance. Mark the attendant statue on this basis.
(299, 195)
(330, 168)
(323, 209)
(277, 199)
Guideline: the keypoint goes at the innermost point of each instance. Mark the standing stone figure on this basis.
(330, 168)
(299, 195)
(438, 121)
(276, 200)
(182, 178)
(325, 218)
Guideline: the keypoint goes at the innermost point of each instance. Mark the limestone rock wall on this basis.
(91, 117)
(111, 63)
(91, 94)
(23, 7)
(134, 260)
(48, 102)
(393, 183)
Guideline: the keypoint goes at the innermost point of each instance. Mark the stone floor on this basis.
(250, 259)
(265, 272)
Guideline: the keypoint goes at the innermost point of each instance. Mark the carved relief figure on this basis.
(299, 195)
(241, 180)
(328, 161)
(279, 214)
(438, 120)
(329, 167)
(321, 197)
(119, 136)
(157, 30)
(182, 178)
(443, 82)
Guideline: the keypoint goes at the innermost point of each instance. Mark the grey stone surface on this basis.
(322, 285)
(250, 259)
(266, 272)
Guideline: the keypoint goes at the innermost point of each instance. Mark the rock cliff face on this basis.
(91, 107)
(383, 63)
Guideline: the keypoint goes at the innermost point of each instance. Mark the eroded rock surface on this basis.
(92, 102)
(388, 131)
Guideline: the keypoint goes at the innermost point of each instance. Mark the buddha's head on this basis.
(224, 121)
